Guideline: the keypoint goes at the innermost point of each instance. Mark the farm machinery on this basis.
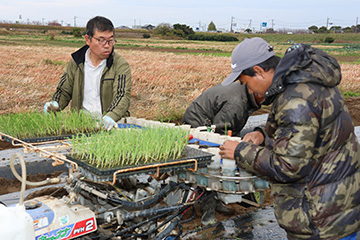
(151, 201)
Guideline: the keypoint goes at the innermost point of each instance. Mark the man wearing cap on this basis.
(311, 154)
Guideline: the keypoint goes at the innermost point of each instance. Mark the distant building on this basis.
(148, 27)
(136, 27)
(123, 27)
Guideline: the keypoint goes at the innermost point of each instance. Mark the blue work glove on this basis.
(52, 104)
(108, 123)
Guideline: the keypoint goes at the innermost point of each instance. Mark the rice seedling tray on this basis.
(106, 174)
(44, 139)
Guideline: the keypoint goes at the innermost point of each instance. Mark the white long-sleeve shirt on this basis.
(92, 102)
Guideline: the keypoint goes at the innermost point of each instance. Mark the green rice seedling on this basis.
(37, 124)
(130, 147)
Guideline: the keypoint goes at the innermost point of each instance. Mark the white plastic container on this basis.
(140, 122)
(203, 136)
(131, 120)
(16, 223)
(228, 170)
(195, 132)
(185, 126)
(222, 139)
(246, 185)
(214, 168)
(214, 138)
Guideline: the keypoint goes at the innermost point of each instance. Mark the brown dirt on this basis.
(9, 186)
(5, 145)
(235, 210)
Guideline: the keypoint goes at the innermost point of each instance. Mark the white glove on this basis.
(108, 123)
(54, 104)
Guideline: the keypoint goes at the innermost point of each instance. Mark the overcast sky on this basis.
(194, 13)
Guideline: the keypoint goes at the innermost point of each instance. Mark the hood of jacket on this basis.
(303, 64)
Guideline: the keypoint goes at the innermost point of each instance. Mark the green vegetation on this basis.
(177, 30)
(348, 94)
(38, 124)
(77, 32)
(329, 40)
(224, 37)
(54, 62)
(168, 114)
(131, 146)
(211, 26)
(146, 35)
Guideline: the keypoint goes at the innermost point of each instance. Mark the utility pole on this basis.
(327, 23)
(272, 24)
(75, 21)
(43, 21)
(232, 18)
(356, 26)
(249, 27)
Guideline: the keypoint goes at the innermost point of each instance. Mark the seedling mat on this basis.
(106, 174)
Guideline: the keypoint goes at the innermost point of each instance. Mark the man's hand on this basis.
(227, 150)
(108, 123)
(255, 137)
(52, 106)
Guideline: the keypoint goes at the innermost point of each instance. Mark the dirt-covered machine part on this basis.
(145, 202)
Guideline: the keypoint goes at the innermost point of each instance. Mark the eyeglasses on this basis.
(103, 41)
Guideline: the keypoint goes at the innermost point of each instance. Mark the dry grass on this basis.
(350, 77)
(161, 81)
(166, 80)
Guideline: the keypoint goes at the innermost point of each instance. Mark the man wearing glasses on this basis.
(97, 79)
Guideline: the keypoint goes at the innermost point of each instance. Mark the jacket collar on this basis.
(79, 56)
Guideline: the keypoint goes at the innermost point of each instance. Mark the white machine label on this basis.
(41, 222)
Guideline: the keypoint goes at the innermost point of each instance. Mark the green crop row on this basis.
(38, 124)
(130, 147)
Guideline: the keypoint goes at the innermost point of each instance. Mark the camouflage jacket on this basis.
(311, 154)
(115, 85)
(222, 104)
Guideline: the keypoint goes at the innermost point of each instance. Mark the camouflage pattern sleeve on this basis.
(293, 131)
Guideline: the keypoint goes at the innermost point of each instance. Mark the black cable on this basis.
(141, 204)
(134, 226)
(174, 224)
(192, 217)
(178, 216)
(168, 230)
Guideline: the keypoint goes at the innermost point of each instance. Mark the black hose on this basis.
(164, 233)
(141, 204)
(192, 216)
(121, 233)
(151, 212)
(168, 230)
(180, 231)
(175, 223)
